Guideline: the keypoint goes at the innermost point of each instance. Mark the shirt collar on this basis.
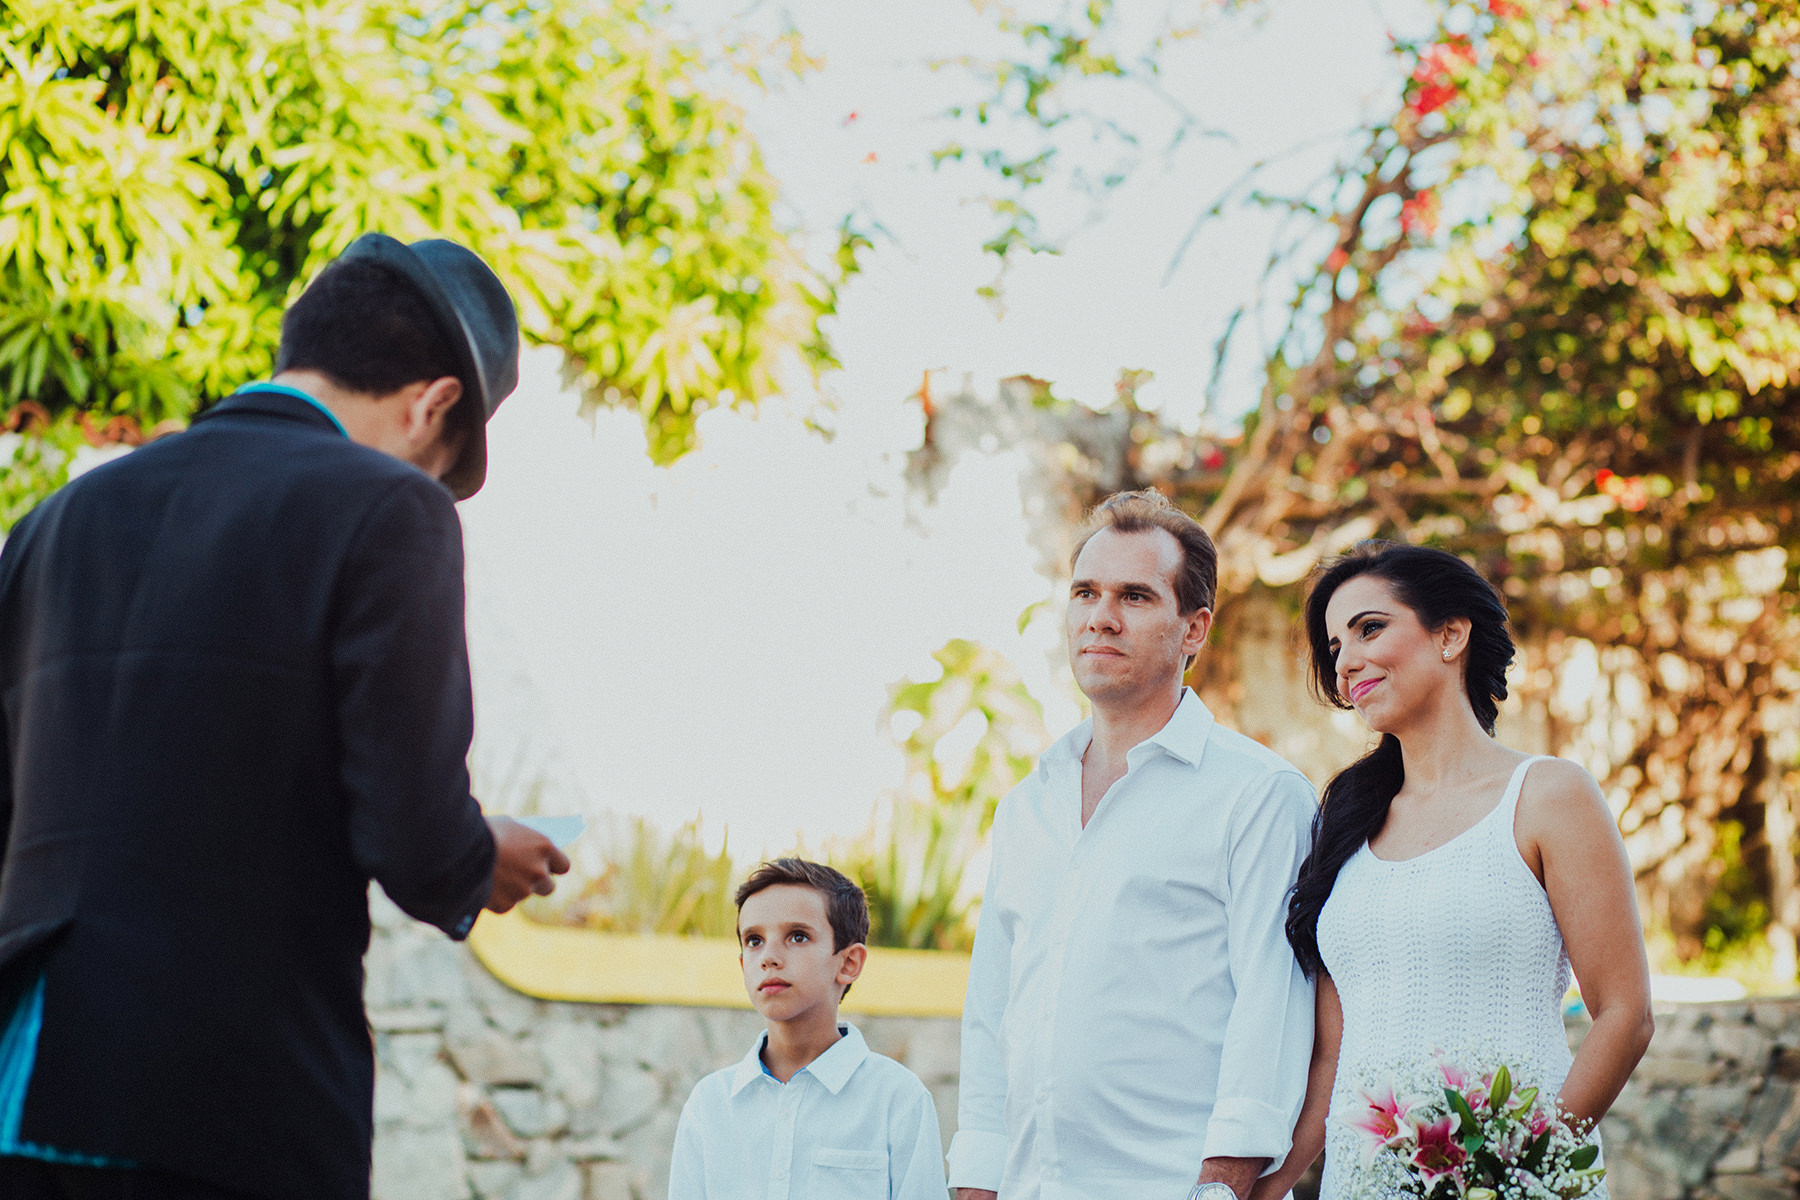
(832, 1068)
(1184, 737)
(282, 389)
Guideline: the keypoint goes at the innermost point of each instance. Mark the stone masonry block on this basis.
(511, 1012)
(1719, 1104)
(1681, 1034)
(415, 1164)
(426, 972)
(1742, 1158)
(628, 1096)
(1742, 1042)
(648, 1148)
(1654, 1072)
(485, 1132)
(608, 1181)
(529, 1113)
(433, 1096)
(729, 1033)
(494, 1180)
(559, 1181)
(492, 1058)
(407, 1053)
(943, 1098)
(1764, 1114)
(1752, 1187)
(662, 1039)
(935, 1054)
(406, 1020)
(572, 1057)
(1643, 1171)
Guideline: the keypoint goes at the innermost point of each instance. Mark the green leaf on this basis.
(1584, 1158)
(1461, 1108)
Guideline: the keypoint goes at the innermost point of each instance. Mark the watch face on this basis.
(1213, 1191)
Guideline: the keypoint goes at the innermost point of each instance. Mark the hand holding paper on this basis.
(560, 830)
(526, 859)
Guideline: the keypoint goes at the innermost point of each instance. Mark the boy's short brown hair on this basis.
(845, 905)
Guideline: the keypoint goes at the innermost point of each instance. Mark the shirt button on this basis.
(781, 1172)
(1043, 1095)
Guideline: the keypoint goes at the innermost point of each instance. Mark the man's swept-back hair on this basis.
(364, 327)
(1140, 512)
(845, 905)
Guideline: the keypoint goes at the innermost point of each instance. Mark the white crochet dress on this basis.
(1455, 950)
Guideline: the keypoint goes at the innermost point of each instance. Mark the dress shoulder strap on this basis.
(1509, 802)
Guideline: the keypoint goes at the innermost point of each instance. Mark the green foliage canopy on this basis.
(172, 172)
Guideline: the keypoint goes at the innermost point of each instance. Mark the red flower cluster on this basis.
(1419, 214)
(1628, 490)
(1436, 71)
(1416, 327)
(1506, 10)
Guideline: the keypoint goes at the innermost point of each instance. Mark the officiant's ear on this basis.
(1454, 637)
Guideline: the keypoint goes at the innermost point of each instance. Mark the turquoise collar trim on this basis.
(283, 389)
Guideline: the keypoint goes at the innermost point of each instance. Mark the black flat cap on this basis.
(479, 323)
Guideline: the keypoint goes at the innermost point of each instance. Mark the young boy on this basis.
(811, 1113)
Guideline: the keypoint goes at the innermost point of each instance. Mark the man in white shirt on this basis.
(1136, 1025)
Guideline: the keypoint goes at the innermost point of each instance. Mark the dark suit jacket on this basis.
(235, 688)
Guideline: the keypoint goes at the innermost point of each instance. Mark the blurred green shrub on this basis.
(656, 882)
(171, 173)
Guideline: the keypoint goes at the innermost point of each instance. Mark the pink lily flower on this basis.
(1473, 1088)
(1383, 1121)
(1439, 1154)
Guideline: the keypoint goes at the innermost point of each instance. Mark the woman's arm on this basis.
(1565, 825)
(1309, 1130)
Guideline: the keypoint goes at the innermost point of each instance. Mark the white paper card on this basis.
(560, 830)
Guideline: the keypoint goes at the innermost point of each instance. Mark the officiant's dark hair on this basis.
(1438, 587)
(366, 328)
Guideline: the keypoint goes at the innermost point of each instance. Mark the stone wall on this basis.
(1713, 1111)
(484, 1094)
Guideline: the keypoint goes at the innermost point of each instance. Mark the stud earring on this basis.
(1446, 656)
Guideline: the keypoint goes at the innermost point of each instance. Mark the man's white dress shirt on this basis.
(1134, 1007)
(850, 1125)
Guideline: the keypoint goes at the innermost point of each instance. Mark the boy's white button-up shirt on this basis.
(850, 1125)
(1133, 1005)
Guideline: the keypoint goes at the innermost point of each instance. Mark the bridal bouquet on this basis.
(1468, 1134)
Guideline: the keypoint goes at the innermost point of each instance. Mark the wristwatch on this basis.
(1212, 1191)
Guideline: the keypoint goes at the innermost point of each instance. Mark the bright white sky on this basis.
(718, 638)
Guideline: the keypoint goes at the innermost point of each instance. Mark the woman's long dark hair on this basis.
(1438, 587)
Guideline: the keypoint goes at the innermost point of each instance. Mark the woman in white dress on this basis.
(1452, 881)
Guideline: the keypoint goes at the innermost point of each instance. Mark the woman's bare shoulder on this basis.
(1559, 793)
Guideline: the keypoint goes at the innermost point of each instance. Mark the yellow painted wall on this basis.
(554, 962)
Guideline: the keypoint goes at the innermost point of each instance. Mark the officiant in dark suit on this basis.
(235, 689)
